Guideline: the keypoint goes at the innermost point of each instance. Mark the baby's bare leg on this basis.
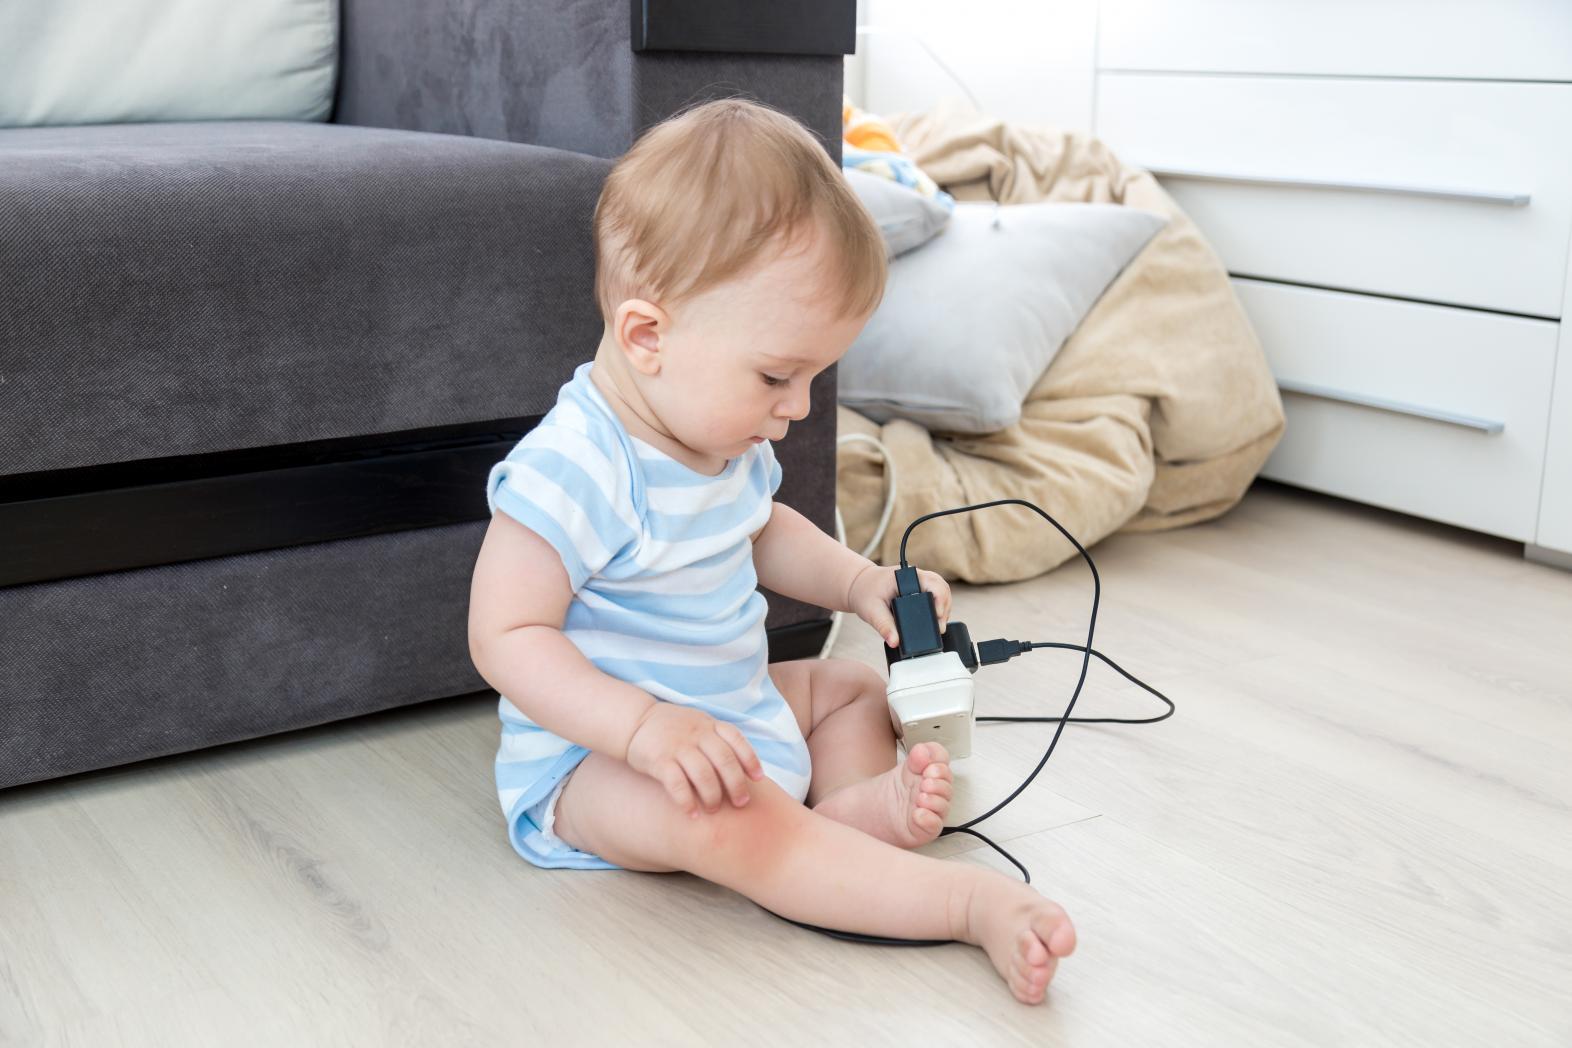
(841, 706)
(802, 865)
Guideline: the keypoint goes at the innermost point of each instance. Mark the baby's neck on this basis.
(612, 380)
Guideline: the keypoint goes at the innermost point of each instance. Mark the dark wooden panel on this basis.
(67, 530)
(18, 487)
(801, 27)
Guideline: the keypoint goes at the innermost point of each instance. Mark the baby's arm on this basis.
(518, 600)
(792, 557)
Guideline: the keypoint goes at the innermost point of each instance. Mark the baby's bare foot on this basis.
(1023, 933)
(905, 806)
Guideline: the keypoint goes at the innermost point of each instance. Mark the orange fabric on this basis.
(866, 131)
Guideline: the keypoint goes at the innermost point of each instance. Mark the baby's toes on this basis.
(935, 796)
(1029, 982)
(925, 755)
(1030, 949)
(1032, 967)
(1056, 931)
(1034, 981)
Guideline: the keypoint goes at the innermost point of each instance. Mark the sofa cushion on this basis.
(112, 61)
(178, 289)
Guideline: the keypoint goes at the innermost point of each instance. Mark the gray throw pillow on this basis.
(906, 217)
(970, 321)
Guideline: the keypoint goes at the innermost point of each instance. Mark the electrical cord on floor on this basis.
(991, 652)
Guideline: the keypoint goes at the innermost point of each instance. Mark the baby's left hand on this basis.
(874, 589)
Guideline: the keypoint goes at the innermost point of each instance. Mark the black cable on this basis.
(1001, 651)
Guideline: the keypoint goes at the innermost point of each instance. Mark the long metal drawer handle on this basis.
(1304, 389)
(1479, 196)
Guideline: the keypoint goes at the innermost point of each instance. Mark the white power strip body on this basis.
(931, 700)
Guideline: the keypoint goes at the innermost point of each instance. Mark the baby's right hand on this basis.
(678, 745)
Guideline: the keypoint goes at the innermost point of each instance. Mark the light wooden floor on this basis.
(1356, 830)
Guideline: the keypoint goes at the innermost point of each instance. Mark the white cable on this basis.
(878, 532)
(875, 30)
(889, 463)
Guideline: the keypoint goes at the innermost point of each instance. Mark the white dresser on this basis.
(1390, 184)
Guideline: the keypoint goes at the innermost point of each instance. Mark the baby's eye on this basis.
(771, 380)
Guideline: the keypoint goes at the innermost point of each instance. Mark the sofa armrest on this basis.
(568, 75)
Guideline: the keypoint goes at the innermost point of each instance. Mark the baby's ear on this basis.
(645, 333)
(638, 330)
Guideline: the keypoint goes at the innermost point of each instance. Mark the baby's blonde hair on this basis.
(700, 196)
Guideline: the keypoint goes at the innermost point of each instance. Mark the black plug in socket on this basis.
(915, 619)
(958, 638)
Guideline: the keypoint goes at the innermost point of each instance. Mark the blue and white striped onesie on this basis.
(665, 595)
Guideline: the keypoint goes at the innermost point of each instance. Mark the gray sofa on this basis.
(252, 373)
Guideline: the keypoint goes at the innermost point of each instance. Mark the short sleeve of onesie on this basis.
(573, 488)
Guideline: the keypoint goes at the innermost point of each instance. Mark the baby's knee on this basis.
(751, 838)
(870, 680)
(853, 679)
(629, 819)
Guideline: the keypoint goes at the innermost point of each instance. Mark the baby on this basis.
(615, 604)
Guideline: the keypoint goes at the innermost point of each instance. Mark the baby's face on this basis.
(737, 360)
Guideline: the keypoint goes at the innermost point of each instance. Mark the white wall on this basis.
(1027, 61)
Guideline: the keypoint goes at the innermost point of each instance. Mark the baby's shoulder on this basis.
(568, 481)
(579, 450)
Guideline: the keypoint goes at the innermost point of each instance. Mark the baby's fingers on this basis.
(675, 780)
(701, 772)
(739, 744)
(934, 583)
(733, 779)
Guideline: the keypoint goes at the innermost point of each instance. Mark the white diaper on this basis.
(544, 814)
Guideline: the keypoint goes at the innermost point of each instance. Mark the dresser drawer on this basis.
(1455, 192)
(1398, 404)
(1501, 40)
(1555, 502)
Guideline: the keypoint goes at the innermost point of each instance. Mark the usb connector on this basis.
(991, 652)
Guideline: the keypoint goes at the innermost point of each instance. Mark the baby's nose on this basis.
(794, 408)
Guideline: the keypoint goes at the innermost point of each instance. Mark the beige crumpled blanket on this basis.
(1157, 412)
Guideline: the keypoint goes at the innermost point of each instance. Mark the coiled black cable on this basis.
(1019, 647)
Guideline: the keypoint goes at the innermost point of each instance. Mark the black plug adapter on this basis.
(915, 619)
